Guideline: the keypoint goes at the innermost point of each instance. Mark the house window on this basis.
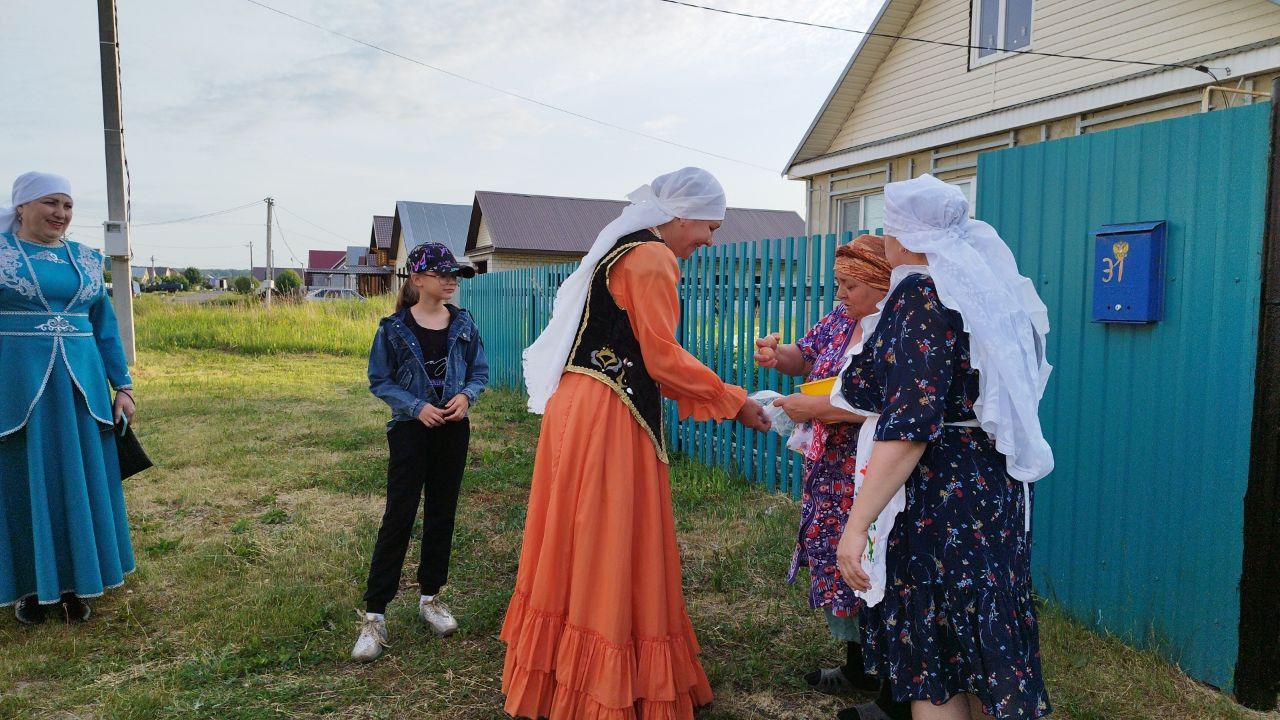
(968, 186)
(861, 213)
(999, 26)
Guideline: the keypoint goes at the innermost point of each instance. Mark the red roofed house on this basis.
(318, 261)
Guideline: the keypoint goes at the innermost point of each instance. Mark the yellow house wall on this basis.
(823, 187)
(920, 85)
(502, 260)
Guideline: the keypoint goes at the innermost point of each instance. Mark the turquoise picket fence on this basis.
(729, 295)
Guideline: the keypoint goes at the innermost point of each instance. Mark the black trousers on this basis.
(422, 459)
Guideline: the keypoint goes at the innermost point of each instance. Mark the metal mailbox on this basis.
(1128, 273)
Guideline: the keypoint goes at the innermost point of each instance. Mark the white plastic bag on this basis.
(798, 435)
(801, 438)
(778, 420)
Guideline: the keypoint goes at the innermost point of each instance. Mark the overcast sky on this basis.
(227, 102)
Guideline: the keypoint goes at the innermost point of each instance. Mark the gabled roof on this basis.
(891, 20)
(380, 235)
(419, 222)
(551, 224)
(259, 273)
(326, 258)
(354, 253)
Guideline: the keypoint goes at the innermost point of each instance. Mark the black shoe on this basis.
(74, 609)
(29, 611)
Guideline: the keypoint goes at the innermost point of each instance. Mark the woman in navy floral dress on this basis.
(862, 277)
(957, 617)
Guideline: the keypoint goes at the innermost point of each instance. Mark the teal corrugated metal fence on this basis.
(729, 296)
(1139, 530)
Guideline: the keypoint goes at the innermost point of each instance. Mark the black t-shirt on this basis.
(435, 345)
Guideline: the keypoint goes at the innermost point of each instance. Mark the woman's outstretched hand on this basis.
(802, 408)
(766, 355)
(752, 416)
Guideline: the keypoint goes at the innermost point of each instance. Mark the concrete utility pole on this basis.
(250, 246)
(116, 229)
(270, 271)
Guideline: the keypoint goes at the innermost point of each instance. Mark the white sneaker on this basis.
(372, 640)
(437, 616)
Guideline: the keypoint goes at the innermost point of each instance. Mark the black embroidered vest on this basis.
(607, 350)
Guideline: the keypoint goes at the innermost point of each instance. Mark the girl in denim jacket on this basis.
(428, 363)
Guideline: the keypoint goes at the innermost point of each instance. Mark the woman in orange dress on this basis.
(597, 627)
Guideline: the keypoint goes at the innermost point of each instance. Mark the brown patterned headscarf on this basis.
(863, 260)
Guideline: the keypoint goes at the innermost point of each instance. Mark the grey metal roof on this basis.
(353, 270)
(380, 235)
(547, 223)
(431, 222)
(354, 253)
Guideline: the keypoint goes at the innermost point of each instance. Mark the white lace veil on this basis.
(27, 187)
(976, 275)
(689, 193)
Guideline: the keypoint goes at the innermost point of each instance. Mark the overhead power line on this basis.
(286, 242)
(198, 217)
(510, 93)
(187, 247)
(868, 33)
(345, 240)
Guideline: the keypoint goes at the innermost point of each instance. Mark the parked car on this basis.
(169, 287)
(333, 294)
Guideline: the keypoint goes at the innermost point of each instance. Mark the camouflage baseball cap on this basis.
(436, 257)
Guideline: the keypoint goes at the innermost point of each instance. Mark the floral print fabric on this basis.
(828, 471)
(957, 615)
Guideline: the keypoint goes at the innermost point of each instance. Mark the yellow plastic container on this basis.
(818, 387)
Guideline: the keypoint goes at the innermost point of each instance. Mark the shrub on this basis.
(177, 278)
(243, 284)
(287, 282)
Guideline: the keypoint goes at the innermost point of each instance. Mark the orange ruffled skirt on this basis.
(597, 627)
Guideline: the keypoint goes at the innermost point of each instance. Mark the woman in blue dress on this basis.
(63, 532)
(953, 372)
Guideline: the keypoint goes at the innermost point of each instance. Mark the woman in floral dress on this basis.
(862, 277)
(956, 627)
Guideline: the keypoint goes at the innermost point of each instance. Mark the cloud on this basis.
(227, 102)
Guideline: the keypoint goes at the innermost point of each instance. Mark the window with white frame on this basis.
(968, 186)
(861, 213)
(999, 26)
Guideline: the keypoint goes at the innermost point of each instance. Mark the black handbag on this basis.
(133, 459)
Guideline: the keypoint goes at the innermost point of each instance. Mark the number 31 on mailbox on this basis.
(1128, 273)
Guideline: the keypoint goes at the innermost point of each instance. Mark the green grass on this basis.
(236, 324)
(253, 537)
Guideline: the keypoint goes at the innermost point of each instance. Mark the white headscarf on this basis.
(31, 186)
(977, 276)
(689, 193)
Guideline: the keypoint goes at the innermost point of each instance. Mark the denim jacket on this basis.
(398, 375)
